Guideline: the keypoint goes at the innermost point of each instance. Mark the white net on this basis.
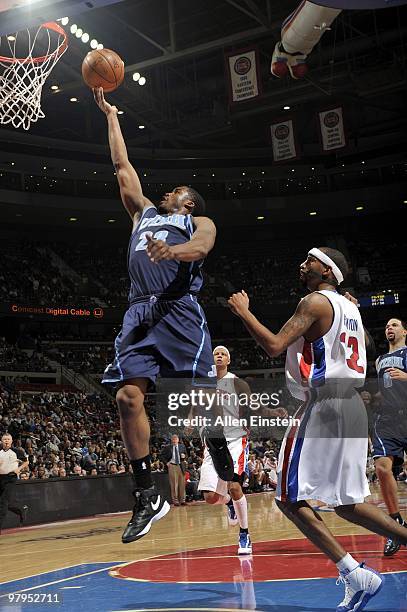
(26, 60)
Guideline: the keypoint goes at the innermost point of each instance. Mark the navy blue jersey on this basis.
(167, 278)
(393, 392)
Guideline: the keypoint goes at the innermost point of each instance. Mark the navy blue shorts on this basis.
(166, 337)
(389, 443)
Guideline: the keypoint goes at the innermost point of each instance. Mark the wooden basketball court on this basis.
(189, 562)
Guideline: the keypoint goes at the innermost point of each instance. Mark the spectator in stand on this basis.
(194, 458)
(256, 474)
(54, 473)
(42, 473)
(62, 472)
(191, 483)
(156, 464)
(77, 471)
(270, 469)
(89, 459)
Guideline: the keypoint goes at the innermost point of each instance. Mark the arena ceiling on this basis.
(179, 46)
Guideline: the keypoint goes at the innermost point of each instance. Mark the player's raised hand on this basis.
(239, 303)
(157, 250)
(104, 106)
(397, 374)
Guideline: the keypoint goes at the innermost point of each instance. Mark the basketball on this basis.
(103, 68)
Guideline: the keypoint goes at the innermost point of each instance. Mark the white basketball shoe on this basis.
(361, 584)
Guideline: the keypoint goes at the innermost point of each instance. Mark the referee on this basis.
(12, 461)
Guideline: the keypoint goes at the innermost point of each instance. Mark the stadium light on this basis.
(11, 38)
(136, 76)
(79, 33)
(73, 99)
(141, 127)
(286, 107)
(65, 21)
(74, 27)
(359, 207)
(312, 214)
(94, 43)
(100, 46)
(54, 87)
(260, 218)
(85, 37)
(142, 81)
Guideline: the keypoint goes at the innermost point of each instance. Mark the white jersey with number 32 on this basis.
(339, 355)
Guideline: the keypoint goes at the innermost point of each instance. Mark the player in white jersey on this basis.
(215, 489)
(232, 391)
(324, 457)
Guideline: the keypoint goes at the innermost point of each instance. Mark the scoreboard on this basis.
(379, 299)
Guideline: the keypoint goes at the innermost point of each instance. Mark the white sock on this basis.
(240, 506)
(347, 564)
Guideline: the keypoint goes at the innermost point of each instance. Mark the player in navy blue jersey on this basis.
(390, 432)
(164, 330)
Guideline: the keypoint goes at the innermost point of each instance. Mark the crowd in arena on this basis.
(71, 435)
(28, 275)
(12, 358)
(30, 271)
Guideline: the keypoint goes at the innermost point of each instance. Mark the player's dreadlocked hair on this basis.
(200, 204)
(338, 258)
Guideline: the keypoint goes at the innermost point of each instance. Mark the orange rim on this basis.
(50, 25)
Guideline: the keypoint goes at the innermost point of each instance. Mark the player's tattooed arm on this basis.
(131, 191)
(309, 310)
(195, 249)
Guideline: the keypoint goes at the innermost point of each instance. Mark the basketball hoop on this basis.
(24, 71)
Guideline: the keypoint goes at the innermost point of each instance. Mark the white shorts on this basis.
(319, 459)
(210, 481)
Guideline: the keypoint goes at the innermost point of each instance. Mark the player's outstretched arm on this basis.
(130, 187)
(195, 249)
(310, 309)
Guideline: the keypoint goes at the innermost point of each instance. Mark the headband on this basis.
(324, 258)
(223, 348)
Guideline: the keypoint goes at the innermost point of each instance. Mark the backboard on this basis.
(19, 14)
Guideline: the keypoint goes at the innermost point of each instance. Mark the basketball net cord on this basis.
(22, 79)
